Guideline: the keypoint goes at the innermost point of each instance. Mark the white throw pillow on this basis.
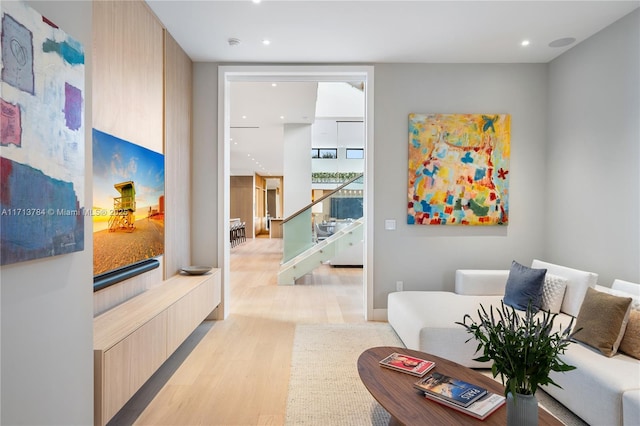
(553, 290)
(577, 283)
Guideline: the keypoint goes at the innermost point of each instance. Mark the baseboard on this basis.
(379, 315)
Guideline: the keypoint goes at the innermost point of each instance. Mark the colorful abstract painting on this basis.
(459, 169)
(41, 137)
(128, 203)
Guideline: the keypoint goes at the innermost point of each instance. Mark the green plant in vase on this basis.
(523, 346)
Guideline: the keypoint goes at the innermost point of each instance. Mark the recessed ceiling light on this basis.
(266, 42)
(244, 116)
(525, 43)
(282, 117)
(274, 84)
(562, 42)
(256, 1)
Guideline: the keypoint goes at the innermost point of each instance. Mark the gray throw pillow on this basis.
(523, 285)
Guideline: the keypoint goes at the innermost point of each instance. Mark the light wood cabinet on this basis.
(187, 313)
(130, 363)
(132, 340)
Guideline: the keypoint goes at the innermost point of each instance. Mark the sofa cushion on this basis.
(553, 293)
(635, 299)
(627, 287)
(524, 286)
(577, 283)
(481, 282)
(594, 389)
(601, 321)
(631, 407)
(426, 321)
(630, 343)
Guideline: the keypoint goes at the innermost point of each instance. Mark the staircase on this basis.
(322, 252)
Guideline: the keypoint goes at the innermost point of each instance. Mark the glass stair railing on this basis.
(323, 251)
(322, 229)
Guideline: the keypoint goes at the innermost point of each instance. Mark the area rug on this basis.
(324, 386)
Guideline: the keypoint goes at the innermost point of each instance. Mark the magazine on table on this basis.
(451, 389)
(481, 409)
(408, 364)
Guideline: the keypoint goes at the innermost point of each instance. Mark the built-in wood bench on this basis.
(132, 340)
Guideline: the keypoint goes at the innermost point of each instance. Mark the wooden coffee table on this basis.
(395, 392)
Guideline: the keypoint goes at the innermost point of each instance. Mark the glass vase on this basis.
(522, 410)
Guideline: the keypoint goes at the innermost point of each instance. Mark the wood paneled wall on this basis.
(178, 101)
(241, 201)
(142, 93)
(260, 224)
(280, 201)
(128, 74)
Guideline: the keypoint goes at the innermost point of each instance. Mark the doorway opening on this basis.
(229, 74)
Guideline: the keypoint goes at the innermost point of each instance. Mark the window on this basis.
(324, 153)
(355, 153)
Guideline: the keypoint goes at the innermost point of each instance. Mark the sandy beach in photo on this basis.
(114, 249)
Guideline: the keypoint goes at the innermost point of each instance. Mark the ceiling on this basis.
(332, 31)
(259, 110)
(363, 32)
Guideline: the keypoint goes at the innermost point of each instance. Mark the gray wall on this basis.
(47, 304)
(593, 214)
(423, 256)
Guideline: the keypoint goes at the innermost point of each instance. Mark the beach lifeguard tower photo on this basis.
(122, 217)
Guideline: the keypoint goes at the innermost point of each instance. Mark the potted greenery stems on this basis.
(524, 350)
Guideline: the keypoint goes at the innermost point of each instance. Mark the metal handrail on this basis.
(308, 206)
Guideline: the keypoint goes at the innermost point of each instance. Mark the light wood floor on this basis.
(236, 371)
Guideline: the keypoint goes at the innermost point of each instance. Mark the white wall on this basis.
(593, 193)
(333, 133)
(338, 108)
(425, 257)
(337, 99)
(297, 173)
(47, 304)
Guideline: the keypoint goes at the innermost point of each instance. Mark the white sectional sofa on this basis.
(602, 390)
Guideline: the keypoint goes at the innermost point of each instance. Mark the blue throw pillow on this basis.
(523, 285)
